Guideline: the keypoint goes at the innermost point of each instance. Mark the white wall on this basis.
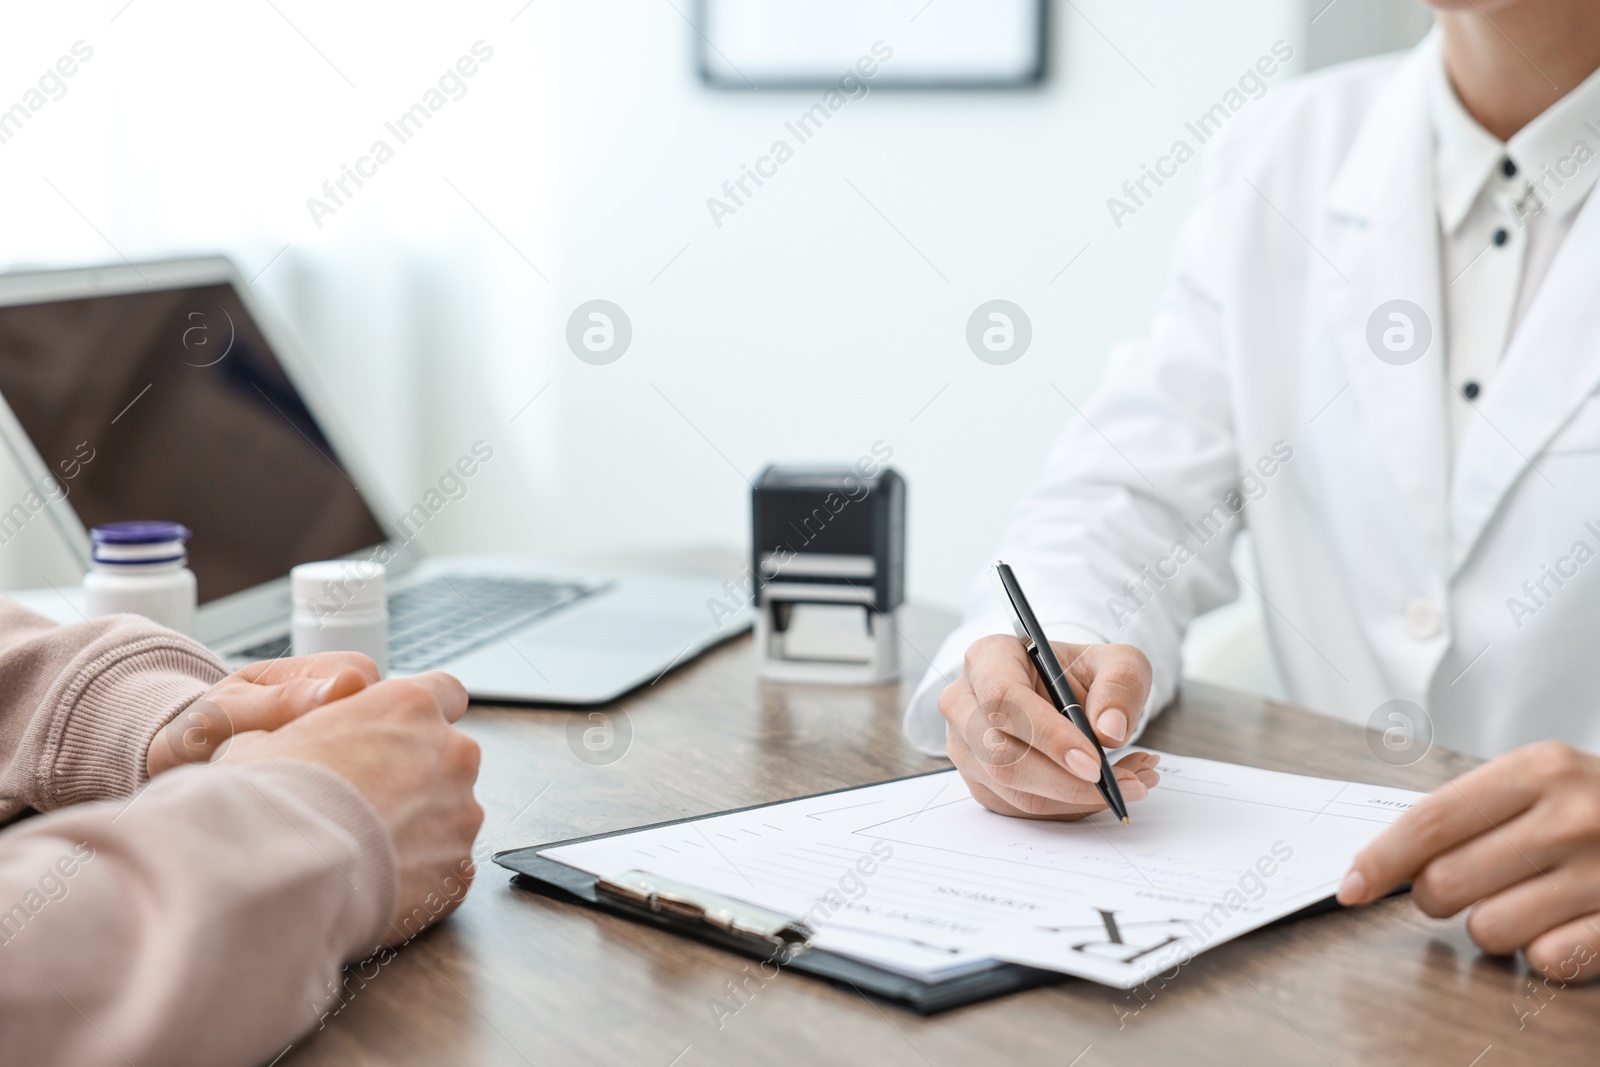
(806, 327)
(811, 324)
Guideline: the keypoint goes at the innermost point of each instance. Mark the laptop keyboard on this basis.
(445, 617)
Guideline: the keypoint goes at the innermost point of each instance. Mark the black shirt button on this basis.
(1470, 390)
(1501, 236)
(1508, 168)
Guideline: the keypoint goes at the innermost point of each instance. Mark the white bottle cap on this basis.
(338, 587)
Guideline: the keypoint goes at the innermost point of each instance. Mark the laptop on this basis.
(161, 391)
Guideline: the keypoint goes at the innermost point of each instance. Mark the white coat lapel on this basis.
(1551, 366)
(1383, 238)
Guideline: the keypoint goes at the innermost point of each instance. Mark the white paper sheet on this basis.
(917, 877)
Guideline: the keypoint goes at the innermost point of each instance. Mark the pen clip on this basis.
(1017, 626)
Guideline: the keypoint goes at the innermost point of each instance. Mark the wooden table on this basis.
(516, 978)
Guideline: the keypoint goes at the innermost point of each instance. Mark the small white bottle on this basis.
(142, 567)
(340, 605)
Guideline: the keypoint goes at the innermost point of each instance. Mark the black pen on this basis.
(1044, 661)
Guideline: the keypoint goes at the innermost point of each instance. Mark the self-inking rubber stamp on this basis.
(828, 536)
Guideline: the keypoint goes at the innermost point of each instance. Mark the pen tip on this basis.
(1125, 820)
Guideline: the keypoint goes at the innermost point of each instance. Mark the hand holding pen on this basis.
(1022, 756)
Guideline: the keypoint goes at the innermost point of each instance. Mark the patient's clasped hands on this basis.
(393, 740)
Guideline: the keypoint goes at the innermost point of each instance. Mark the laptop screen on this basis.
(168, 404)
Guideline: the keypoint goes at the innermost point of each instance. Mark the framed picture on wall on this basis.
(909, 44)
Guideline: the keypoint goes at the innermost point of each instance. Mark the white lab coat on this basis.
(1391, 569)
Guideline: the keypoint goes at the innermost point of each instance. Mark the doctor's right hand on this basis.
(1022, 757)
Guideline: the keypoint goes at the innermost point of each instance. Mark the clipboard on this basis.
(753, 932)
(784, 941)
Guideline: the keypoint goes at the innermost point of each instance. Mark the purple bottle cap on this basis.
(139, 533)
(139, 544)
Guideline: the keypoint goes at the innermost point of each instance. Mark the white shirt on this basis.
(1499, 231)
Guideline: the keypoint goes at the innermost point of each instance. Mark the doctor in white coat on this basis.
(1380, 350)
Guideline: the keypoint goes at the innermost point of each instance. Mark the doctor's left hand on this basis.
(262, 696)
(1517, 840)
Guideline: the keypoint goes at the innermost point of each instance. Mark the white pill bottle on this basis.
(142, 568)
(340, 605)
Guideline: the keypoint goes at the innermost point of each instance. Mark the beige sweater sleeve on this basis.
(79, 704)
(204, 918)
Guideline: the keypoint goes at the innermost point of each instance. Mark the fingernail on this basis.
(325, 690)
(1083, 765)
(1353, 888)
(1113, 724)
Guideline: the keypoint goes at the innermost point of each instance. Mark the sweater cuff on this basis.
(372, 866)
(112, 710)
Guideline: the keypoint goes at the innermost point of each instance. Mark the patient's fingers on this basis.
(267, 707)
(237, 704)
(448, 691)
(432, 692)
(320, 665)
